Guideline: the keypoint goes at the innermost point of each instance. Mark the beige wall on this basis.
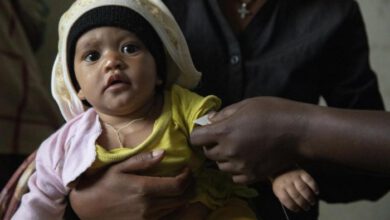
(377, 16)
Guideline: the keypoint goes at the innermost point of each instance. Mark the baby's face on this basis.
(116, 73)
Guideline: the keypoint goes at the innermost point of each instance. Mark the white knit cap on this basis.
(180, 68)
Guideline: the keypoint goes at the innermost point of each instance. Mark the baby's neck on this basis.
(130, 130)
(149, 111)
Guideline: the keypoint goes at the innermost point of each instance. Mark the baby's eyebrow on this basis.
(91, 42)
(128, 37)
(87, 44)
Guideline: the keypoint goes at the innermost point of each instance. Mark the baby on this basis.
(120, 80)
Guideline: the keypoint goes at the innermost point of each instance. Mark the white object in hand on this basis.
(204, 120)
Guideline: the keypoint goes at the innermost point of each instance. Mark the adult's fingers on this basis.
(208, 135)
(140, 162)
(228, 167)
(167, 186)
(215, 153)
(232, 167)
(225, 112)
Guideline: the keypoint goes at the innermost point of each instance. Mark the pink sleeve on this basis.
(46, 196)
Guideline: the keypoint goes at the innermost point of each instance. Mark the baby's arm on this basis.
(296, 190)
(46, 196)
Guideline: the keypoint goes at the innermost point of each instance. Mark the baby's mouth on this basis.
(114, 80)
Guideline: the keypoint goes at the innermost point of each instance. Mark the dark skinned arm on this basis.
(259, 137)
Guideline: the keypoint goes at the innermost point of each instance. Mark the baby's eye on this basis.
(92, 56)
(130, 48)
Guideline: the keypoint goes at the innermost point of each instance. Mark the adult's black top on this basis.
(296, 49)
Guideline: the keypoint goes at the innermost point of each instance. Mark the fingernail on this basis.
(157, 153)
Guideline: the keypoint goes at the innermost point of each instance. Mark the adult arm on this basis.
(347, 81)
(259, 137)
(122, 191)
(356, 138)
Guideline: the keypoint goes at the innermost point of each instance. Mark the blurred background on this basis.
(44, 118)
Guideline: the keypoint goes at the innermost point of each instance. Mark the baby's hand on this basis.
(296, 190)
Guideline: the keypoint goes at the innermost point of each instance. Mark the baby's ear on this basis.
(81, 95)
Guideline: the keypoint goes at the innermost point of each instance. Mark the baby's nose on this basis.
(113, 61)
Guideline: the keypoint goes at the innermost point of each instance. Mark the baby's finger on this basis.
(310, 182)
(298, 198)
(306, 192)
(287, 201)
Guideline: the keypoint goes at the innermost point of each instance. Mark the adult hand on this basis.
(253, 139)
(122, 192)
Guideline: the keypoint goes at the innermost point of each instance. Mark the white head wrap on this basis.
(180, 68)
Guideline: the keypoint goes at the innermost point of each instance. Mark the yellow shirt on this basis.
(170, 133)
